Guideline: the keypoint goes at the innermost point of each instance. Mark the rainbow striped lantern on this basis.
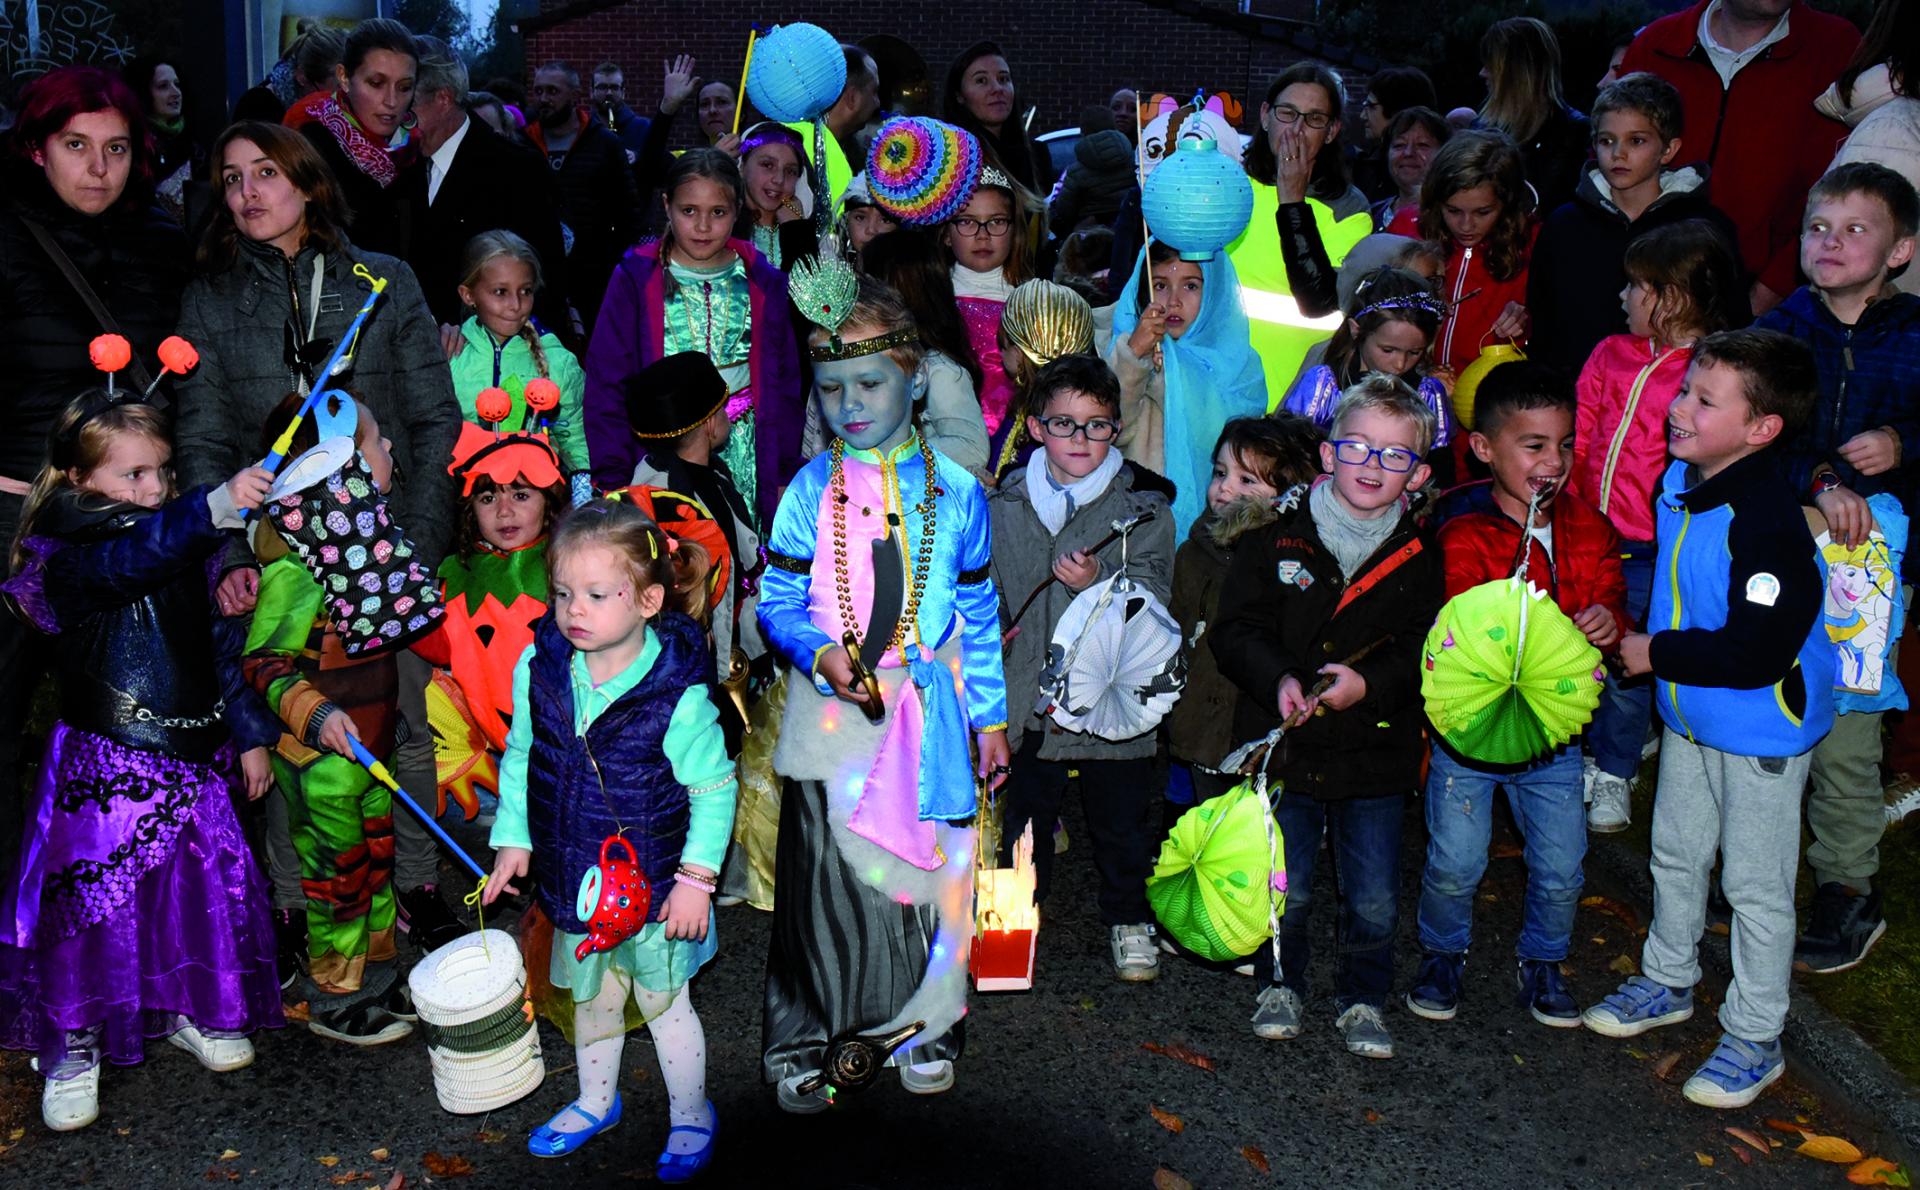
(922, 171)
(1198, 200)
(798, 72)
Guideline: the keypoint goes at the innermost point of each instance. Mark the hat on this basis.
(1047, 321)
(503, 458)
(921, 170)
(672, 396)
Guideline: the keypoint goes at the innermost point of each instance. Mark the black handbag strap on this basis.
(65, 264)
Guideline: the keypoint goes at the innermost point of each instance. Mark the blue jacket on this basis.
(1741, 661)
(1868, 376)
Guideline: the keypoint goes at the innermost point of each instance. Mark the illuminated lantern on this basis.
(1490, 357)
(1198, 201)
(798, 72)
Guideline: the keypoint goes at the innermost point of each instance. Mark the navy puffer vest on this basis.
(568, 816)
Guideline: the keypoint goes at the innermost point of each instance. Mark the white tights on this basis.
(599, 1029)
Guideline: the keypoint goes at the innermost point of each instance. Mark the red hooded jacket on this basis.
(1761, 136)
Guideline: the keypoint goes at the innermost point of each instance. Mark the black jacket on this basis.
(384, 218)
(492, 184)
(600, 208)
(1096, 184)
(1556, 156)
(1578, 266)
(136, 260)
(1281, 615)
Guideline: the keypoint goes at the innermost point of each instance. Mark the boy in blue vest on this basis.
(1743, 677)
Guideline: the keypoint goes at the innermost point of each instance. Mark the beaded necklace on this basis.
(922, 558)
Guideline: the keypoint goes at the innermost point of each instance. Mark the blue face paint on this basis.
(867, 401)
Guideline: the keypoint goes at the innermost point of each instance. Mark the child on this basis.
(1046, 517)
(698, 289)
(987, 256)
(777, 216)
(1042, 322)
(494, 584)
(1340, 587)
(884, 827)
(621, 740)
(136, 909)
(1523, 431)
(1865, 337)
(1475, 200)
(1628, 191)
(1743, 674)
(861, 220)
(1255, 460)
(341, 819)
(1683, 283)
(1186, 367)
(1390, 324)
(504, 348)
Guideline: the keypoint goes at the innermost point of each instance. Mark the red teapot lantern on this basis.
(614, 899)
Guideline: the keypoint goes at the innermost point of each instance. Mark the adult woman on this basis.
(1520, 59)
(80, 172)
(363, 131)
(1390, 91)
(1299, 174)
(1412, 139)
(979, 97)
(156, 84)
(306, 68)
(1874, 98)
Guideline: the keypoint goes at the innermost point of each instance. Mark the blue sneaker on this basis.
(547, 1141)
(1544, 993)
(1435, 994)
(1639, 1005)
(684, 1167)
(1736, 1073)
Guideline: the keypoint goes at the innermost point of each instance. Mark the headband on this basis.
(826, 289)
(993, 175)
(1424, 303)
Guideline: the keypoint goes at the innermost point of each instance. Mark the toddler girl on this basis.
(1391, 321)
(621, 739)
(503, 347)
(136, 910)
(1475, 200)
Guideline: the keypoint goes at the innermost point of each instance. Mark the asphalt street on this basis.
(1058, 1087)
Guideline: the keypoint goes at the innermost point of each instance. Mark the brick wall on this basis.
(1065, 53)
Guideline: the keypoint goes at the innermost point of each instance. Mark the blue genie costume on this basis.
(874, 919)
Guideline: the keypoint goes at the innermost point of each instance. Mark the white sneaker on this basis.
(218, 1054)
(1588, 771)
(1135, 957)
(1612, 807)
(69, 1104)
(1907, 803)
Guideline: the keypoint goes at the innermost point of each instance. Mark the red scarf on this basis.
(379, 162)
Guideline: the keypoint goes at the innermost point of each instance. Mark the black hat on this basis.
(670, 397)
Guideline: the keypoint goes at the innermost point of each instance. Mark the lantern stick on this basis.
(1140, 170)
(372, 764)
(740, 98)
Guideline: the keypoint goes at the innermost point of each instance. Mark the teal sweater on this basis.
(486, 363)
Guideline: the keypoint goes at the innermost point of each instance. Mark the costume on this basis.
(487, 362)
(875, 860)
(982, 298)
(135, 902)
(1317, 393)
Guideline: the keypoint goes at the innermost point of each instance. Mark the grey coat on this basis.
(1023, 554)
(238, 319)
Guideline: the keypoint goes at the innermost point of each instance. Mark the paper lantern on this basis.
(798, 72)
(922, 171)
(1490, 357)
(1198, 201)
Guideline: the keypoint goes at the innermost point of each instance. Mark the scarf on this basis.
(1212, 375)
(164, 127)
(990, 286)
(1352, 539)
(1055, 504)
(372, 159)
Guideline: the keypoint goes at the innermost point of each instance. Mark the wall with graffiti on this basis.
(38, 35)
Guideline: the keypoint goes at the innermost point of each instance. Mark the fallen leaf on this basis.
(1167, 1119)
(1612, 908)
(1751, 1138)
(1623, 965)
(1086, 1004)
(328, 1161)
(1746, 1158)
(1519, 1061)
(123, 1132)
(1830, 1148)
(1663, 1069)
(1373, 1117)
(1599, 939)
(1179, 1053)
(1719, 927)
(1703, 1159)
(1489, 896)
(1256, 1158)
(397, 1182)
(347, 1178)
(1878, 1171)
(488, 1136)
(229, 1154)
(16, 1134)
(1166, 1179)
(216, 1174)
(1504, 849)
(447, 1167)
(1783, 1126)
(298, 1013)
(380, 1154)
(1636, 1054)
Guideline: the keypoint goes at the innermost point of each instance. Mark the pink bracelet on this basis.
(705, 884)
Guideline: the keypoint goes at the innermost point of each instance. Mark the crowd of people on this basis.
(729, 510)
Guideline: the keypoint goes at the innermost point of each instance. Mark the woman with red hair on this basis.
(76, 181)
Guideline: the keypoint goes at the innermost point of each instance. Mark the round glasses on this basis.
(996, 226)
(1355, 453)
(1097, 430)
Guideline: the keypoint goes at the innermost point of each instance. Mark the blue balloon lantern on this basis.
(798, 71)
(1198, 201)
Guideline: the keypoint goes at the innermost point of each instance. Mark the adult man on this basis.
(1748, 72)
(646, 140)
(476, 181)
(859, 100)
(598, 203)
(610, 104)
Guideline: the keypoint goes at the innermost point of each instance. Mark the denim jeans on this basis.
(1363, 840)
(1553, 826)
(1619, 727)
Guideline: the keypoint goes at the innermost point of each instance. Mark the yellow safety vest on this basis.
(839, 170)
(1281, 333)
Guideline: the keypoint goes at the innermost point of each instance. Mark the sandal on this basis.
(684, 1167)
(547, 1142)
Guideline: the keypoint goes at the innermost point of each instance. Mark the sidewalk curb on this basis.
(1823, 1049)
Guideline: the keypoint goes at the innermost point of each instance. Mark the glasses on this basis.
(1355, 453)
(996, 226)
(1286, 113)
(1369, 103)
(1097, 430)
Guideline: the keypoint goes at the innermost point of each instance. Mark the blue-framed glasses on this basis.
(1355, 453)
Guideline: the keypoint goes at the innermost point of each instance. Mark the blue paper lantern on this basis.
(1198, 200)
(798, 72)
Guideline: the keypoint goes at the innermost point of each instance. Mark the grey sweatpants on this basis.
(1747, 809)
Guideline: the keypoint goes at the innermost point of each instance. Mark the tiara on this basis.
(993, 175)
(838, 349)
(1425, 303)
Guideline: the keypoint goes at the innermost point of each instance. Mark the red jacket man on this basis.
(1748, 80)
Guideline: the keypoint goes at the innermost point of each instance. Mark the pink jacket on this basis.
(1620, 428)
